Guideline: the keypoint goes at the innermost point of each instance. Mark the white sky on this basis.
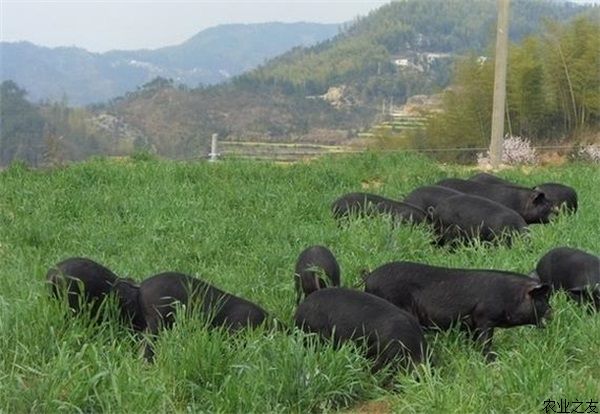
(99, 26)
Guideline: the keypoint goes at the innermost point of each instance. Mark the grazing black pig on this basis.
(532, 205)
(560, 195)
(481, 300)
(83, 281)
(309, 262)
(366, 204)
(391, 334)
(429, 196)
(557, 194)
(573, 270)
(464, 217)
(158, 296)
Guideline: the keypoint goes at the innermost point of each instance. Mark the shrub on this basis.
(515, 151)
(590, 152)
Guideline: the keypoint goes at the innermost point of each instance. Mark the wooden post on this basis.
(497, 138)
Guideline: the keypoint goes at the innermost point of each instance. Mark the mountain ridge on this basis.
(211, 56)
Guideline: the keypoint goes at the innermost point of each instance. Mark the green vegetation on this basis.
(362, 54)
(52, 133)
(553, 90)
(270, 103)
(21, 126)
(333, 92)
(241, 225)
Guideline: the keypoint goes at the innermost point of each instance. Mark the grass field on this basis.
(241, 225)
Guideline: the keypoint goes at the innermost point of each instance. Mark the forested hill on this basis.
(401, 49)
(211, 56)
(329, 92)
(421, 35)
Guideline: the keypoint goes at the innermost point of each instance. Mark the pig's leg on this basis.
(484, 337)
(483, 332)
(298, 288)
(152, 331)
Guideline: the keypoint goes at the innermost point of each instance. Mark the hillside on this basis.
(211, 56)
(334, 92)
(335, 89)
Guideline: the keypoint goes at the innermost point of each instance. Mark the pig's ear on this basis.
(539, 290)
(538, 197)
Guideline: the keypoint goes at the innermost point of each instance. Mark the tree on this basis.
(553, 89)
(21, 126)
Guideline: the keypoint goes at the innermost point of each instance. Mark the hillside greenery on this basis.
(553, 90)
(241, 225)
(52, 133)
(288, 98)
(21, 126)
(364, 51)
(283, 98)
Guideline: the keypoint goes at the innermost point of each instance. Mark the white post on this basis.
(497, 139)
(213, 148)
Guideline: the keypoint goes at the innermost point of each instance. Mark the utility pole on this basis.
(497, 138)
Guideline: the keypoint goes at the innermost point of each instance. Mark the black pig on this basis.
(560, 195)
(306, 273)
(157, 297)
(532, 205)
(557, 194)
(573, 270)
(480, 300)
(83, 281)
(464, 217)
(366, 204)
(429, 196)
(391, 334)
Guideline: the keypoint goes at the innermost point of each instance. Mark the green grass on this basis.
(241, 225)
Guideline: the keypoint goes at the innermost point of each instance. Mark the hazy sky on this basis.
(99, 26)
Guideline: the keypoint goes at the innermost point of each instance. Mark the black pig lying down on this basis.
(429, 196)
(573, 270)
(83, 281)
(306, 275)
(157, 297)
(532, 205)
(391, 334)
(557, 194)
(465, 217)
(480, 300)
(365, 204)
